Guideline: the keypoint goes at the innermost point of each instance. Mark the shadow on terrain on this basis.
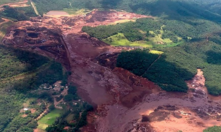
(155, 68)
(16, 61)
(107, 4)
(26, 71)
(213, 57)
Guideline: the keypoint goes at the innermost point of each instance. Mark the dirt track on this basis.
(122, 99)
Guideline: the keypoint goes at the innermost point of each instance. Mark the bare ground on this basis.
(125, 102)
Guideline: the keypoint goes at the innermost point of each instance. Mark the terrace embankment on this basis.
(125, 102)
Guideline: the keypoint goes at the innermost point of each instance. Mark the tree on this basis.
(68, 98)
(51, 107)
(213, 129)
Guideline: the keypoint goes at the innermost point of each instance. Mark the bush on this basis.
(27, 112)
(213, 129)
(68, 98)
(51, 107)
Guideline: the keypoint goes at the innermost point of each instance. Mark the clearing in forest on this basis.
(120, 40)
(49, 119)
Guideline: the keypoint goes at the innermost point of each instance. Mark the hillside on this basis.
(117, 66)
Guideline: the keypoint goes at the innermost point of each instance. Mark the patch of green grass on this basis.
(71, 11)
(120, 40)
(156, 37)
(123, 21)
(213, 129)
(49, 119)
(156, 52)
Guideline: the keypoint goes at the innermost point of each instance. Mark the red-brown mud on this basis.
(125, 102)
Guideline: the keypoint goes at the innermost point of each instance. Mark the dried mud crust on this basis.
(124, 101)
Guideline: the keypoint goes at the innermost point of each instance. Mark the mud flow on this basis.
(124, 102)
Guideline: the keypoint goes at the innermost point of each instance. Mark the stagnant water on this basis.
(33, 35)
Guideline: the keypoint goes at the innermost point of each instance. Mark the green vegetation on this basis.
(120, 40)
(17, 14)
(49, 119)
(76, 11)
(213, 129)
(183, 30)
(177, 47)
(154, 67)
(14, 62)
(27, 122)
(158, 32)
(202, 54)
(75, 118)
(14, 92)
(9, 1)
(178, 64)
(43, 5)
(169, 9)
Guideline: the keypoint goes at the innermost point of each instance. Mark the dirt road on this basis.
(34, 7)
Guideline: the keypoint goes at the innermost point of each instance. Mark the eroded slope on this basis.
(125, 102)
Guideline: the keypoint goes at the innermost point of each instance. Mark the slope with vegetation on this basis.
(9, 1)
(213, 129)
(17, 14)
(187, 35)
(15, 92)
(168, 76)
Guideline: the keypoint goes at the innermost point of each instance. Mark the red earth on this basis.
(124, 102)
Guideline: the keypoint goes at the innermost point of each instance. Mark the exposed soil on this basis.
(24, 115)
(17, 4)
(57, 13)
(125, 102)
(33, 111)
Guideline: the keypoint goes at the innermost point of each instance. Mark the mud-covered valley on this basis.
(124, 102)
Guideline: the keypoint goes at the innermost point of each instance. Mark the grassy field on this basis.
(71, 11)
(123, 21)
(49, 119)
(120, 40)
(157, 41)
(156, 52)
(158, 37)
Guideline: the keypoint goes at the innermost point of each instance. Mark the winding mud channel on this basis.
(124, 102)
